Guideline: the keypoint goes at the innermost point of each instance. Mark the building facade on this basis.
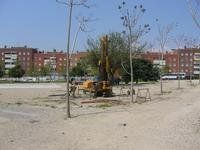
(32, 59)
(22, 55)
(185, 60)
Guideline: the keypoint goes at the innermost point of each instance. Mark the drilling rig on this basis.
(101, 87)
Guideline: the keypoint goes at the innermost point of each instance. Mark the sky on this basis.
(42, 24)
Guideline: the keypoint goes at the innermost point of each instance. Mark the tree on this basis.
(194, 7)
(77, 70)
(165, 69)
(16, 72)
(70, 4)
(180, 43)
(143, 70)
(1, 70)
(117, 53)
(133, 31)
(163, 39)
(45, 70)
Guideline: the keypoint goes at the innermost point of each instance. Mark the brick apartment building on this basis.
(188, 59)
(57, 60)
(23, 55)
(30, 58)
(178, 60)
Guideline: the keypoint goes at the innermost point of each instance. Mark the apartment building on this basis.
(30, 58)
(76, 57)
(23, 55)
(55, 60)
(185, 60)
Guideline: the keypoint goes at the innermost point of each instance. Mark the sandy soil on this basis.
(31, 118)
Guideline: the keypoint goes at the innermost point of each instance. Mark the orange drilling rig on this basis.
(101, 87)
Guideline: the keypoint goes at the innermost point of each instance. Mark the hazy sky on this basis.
(42, 23)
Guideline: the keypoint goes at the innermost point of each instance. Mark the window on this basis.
(39, 58)
(186, 54)
(186, 65)
(174, 59)
(182, 65)
(2, 53)
(2, 58)
(60, 59)
(191, 54)
(174, 65)
(181, 54)
(28, 53)
(19, 53)
(28, 58)
(24, 53)
(24, 58)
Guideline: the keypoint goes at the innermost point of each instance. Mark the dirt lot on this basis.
(32, 117)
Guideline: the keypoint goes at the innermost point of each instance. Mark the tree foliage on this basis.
(143, 70)
(78, 70)
(1, 71)
(16, 72)
(45, 70)
(117, 52)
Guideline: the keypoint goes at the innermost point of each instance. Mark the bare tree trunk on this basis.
(68, 46)
(179, 83)
(131, 66)
(161, 81)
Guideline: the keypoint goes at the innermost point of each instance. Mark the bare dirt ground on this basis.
(32, 118)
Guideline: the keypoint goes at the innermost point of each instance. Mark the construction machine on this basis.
(101, 87)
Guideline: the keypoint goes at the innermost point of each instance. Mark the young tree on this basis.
(70, 4)
(180, 43)
(194, 7)
(163, 39)
(133, 31)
